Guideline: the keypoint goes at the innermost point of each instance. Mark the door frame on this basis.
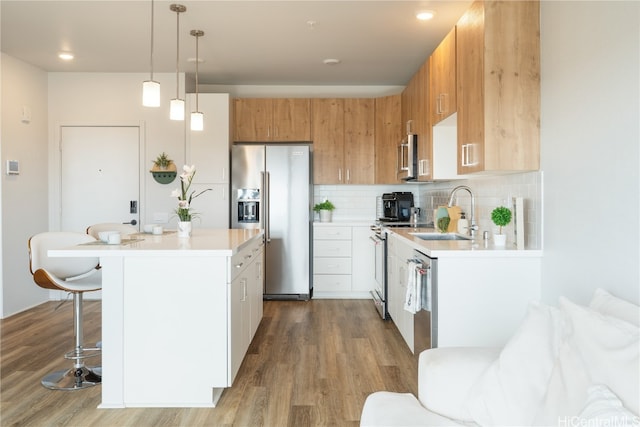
(55, 172)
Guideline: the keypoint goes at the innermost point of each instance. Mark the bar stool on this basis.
(74, 275)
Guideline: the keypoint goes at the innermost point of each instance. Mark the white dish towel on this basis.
(414, 287)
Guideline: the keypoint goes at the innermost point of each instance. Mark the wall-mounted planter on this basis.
(166, 175)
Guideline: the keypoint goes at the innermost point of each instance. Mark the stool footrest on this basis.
(86, 353)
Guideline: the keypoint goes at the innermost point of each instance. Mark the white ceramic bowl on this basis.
(104, 235)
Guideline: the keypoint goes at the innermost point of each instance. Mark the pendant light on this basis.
(197, 118)
(176, 111)
(151, 88)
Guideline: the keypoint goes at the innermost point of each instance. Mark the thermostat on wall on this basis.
(13, 167)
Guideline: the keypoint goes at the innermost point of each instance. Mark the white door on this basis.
(100, 177)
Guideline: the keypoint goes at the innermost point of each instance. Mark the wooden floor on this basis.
(311, 363)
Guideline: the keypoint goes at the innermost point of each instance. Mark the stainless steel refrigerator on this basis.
(271, 189)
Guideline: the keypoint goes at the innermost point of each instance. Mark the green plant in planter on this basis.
(162, 161)
(324, 206)
(501, 216)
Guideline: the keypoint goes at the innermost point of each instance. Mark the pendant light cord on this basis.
(151, 56)
(177, 54)
(197, 59)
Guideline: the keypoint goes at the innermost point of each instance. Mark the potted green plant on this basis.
(324, 209)
(162, 162)
(164, 170)
(501, 216)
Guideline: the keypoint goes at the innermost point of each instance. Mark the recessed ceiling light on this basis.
(331, 61)
(425, 15)
(65, 56)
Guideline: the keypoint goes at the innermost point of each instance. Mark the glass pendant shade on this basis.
(150, 93)
(197, 120)
(177, 109)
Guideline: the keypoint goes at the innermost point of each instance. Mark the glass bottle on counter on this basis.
(463, 224)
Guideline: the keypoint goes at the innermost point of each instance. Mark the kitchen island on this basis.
(178, 314)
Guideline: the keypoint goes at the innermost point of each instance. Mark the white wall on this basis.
(24, 196)
(293, 91)
(112, 99)
(590, 148)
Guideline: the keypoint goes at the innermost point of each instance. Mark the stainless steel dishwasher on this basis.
(425, 321)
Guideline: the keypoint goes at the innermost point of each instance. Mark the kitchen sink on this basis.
(440, 236)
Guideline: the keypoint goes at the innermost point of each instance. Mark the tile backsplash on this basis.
(358, 202)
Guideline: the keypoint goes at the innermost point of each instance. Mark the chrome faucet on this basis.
(472, 227)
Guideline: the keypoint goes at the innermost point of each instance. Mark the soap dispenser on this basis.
(463, 224)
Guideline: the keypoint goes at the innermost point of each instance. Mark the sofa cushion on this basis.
(386, 409)
(599, 349)
(603, 408)
(605, 303)
(445, 376)
(512, 389)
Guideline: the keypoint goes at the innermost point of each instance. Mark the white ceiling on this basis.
(245, 42)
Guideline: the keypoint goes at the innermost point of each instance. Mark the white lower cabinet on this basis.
(482, 296)
(245, 292)
(342, 261)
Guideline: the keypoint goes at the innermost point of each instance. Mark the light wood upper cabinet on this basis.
(291, 119)
(442, 79)
(359, 141)
(388, 134)
(272, 119)
(415, 118)
(498, 78)
(328, 140)
(343, 140)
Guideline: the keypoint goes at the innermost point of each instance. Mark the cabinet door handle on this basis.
(468, 155)
(463, 156)
(348, 175)
(339, 174)
(239, 265)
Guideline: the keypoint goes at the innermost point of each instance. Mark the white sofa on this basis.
(565, 366)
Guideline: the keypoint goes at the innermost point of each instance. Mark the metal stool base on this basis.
(73, 379)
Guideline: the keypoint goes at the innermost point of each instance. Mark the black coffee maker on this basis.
(397, 206)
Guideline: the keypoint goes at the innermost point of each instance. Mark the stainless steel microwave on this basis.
(407, 165)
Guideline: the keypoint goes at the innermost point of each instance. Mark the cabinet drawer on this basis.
(241, 260)
(331, 283)
(331, 233)
(332, 265)
(332, 248)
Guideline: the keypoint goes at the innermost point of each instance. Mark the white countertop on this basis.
(346, 223)
(203, 242)
(459, 248)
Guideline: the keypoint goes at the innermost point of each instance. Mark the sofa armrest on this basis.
(446, 375)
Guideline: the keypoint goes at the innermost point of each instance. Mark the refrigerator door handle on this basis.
(267, 189)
